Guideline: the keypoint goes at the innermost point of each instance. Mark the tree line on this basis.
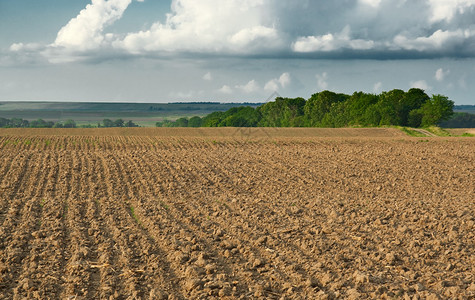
(460, 120)
(40, 123)
(107, 123)
(413, 108)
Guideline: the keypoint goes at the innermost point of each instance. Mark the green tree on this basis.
(129, 123)
(181, 122)
(413, 100)
(195, 122)
(40, 123)
(69, 124)
(243, 116)
(119, 123)
(436, 109)
(389, 107)
(336, 117)
(319, 105)
(213, 119)
(293, 112)
(4, 122)
(357, 109)
(415, 118)
(271, 113)
(108, 123)
(165, 123)
(18, 123)
(282, 112)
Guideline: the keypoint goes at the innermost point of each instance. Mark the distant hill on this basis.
(144, 114)
(465, 108)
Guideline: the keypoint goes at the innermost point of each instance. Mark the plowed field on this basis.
(201, 214)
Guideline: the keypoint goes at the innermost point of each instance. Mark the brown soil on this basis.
(461, 131)
(222, 132)
(264, 216)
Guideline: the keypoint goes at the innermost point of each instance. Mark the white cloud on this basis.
(420, 84)
(208, 76)
(275, 84)
(226, 89)
(272, 86)
(445, 10)
(315, 43)
(247, 36)
(322, 81)
(372, 3)
(232, 26)
(84, 32)
(330, 42)
(250, 87)
(378, 87)
(285, 79)
(437, 41)
(462, 82)
(31, 47)
(440, 74)
(185, 95)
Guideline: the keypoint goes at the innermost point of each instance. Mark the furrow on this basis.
(144, 270)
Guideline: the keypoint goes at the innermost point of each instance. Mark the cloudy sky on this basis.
(233, 50)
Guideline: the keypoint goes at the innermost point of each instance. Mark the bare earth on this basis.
(460, 131)
(231, 213)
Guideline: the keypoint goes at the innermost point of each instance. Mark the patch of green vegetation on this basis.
(437, 131)
(164, 205)
(42, 202)
(221, 203)
(132, 213)
(410, 132)
(466, 134)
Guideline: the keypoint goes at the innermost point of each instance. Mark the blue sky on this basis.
(233, 50)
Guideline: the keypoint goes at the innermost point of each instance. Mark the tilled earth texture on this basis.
(236, 214)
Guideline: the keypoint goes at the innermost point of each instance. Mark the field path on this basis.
(424, 132)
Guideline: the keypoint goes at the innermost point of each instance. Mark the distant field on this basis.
(465, 109)
(144, 114)
(460, 131)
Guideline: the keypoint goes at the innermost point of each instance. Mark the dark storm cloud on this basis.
(378, 29)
